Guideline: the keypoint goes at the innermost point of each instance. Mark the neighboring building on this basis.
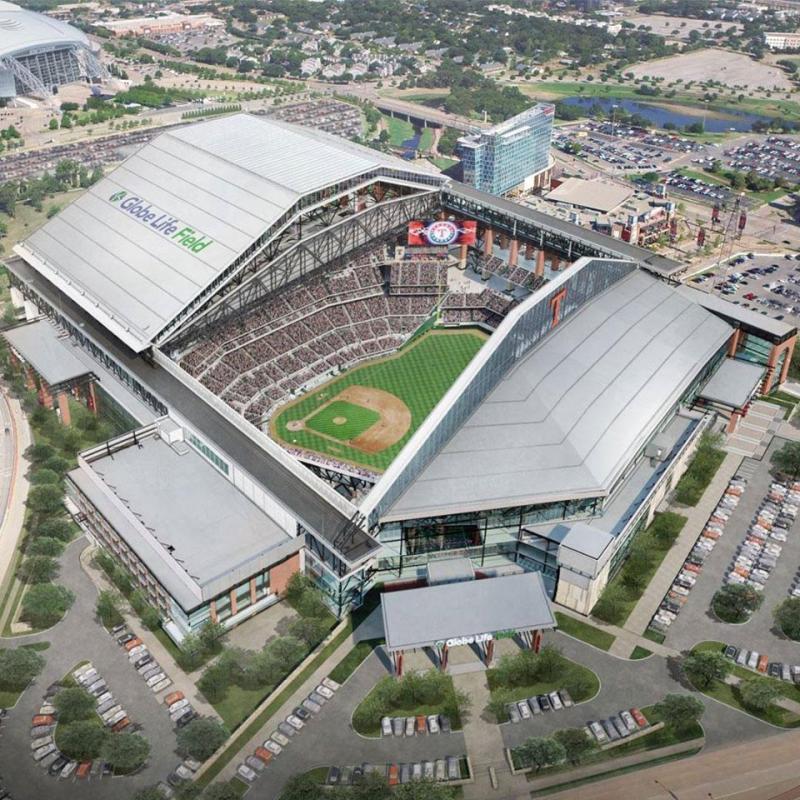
(512, 155)
(156, 26)
(278, 258)
(38, 54)
(782, 41)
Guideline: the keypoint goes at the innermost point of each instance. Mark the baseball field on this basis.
(368, 413)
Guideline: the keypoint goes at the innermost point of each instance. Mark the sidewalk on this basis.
(14, 510)
(180, 680)
(485, 746)
(697, 517)
(625, 640)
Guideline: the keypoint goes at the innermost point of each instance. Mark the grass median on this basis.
(584, 631)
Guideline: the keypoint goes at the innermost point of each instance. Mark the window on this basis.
(209, 454)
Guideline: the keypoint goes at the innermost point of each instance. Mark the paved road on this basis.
(76, 638)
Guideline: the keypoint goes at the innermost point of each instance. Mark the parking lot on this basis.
(622, 147)
(767, 284)
(776, 157)
(696, 622)
(696, 188)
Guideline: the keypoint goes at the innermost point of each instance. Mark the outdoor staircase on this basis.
(755, 431)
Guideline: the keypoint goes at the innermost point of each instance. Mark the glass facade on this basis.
(501, 158)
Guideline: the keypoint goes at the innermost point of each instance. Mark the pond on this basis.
(715, 122)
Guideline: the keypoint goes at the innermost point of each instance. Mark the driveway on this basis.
(79, 637)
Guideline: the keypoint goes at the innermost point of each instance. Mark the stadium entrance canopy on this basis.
(466, 613)
(172, 225)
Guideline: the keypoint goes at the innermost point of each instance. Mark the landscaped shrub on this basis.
(736, 602)
(18, 667)
(45, 603)
(703, 467)
(787, 617)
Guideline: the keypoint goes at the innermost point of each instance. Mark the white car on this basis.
(159, 676)
(245, 773)
(78, 673)
(42, 741)
(118, 717)
(524, 709)
(178, 705)
(47, 709)
(433, 723)
(39, 754)
(324, 691)
(104, 698)
(752, 661)
(555, 701)
(110, 713)
(313, 707)
(279, 738)
(598, 731)
(68, 769)
(630, 722)
(273, 746)
(295, 722)
(161, 685)
(137, 652)
(331, 684)
(386, 726)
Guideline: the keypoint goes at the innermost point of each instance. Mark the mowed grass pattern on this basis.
(357, 420)
(419, 374)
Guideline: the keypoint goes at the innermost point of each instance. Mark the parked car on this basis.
(598, 732)
(55, 765)
(255, 763)
(264, 754)
(524, 709)
(433, 723)
(69, 769)
(422, 724)
(398, 724)
(295, 722)
(444, 723)
(279, 738)
(393, 775)
(409, 726)
(386, 726)
(566, 699)
(161, 685)
(173, 697)
(245, 773)
(513, 712)
(273, 747)
(630, 722)
(301, 713)
(641, 721)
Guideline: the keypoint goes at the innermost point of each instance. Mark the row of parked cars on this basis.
(43, 746)
(758, 554)
(256, 763)
(415, 726)
(761, 663)
(617, 726)
(152, 673)
(525, 709)
(442, 769)
(685, 580)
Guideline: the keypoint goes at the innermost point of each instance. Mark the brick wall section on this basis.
(279, 574)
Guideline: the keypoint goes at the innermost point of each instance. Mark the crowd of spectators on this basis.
(314, 328)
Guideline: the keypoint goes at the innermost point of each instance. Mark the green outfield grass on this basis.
(357, 419)
(419, 375)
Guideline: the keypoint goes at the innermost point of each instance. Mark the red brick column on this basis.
(63, 407)
(733, 343)
(513, 253)
(488, 241)
(539, 263)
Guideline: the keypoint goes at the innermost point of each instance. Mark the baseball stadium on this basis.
(342, 363)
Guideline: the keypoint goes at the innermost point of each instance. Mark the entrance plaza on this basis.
(458, 613)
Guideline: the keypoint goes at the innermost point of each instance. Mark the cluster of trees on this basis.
(81, 735)
(266, 668)
(572, 745)
(787, 617)
(786, 460)
(703, 467)
(18, 667)
(735, 602)
(108, 604)
(201, 738)
(628, 584)
(10, 137)
(526, 668)
(414, 690)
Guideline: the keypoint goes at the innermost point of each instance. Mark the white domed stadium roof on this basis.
(22, 31)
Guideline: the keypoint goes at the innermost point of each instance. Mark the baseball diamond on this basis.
(367, 414)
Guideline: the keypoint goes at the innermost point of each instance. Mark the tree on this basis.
(787, 459)
(302, 787)
(55, 529)
(201, 738)
(787, 617)
(540, 751)
(108, 608)
(38, 569)
(82, 740)
(219, 791)
(576, 743)
(18, 667)
(125, 752)
(735, 602)
(45, 546)
(210, 636)
(214, 683)
(758, 694)
(44, 475)
(311, 630)
(46, 499)
(424, 789)
(706, 666)
(74, 703)
(45, 603)
(680, 711)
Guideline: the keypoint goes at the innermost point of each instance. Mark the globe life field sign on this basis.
(161, 222)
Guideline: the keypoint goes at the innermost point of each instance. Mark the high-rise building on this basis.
(514, 154)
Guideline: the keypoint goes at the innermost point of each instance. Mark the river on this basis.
(715, 121)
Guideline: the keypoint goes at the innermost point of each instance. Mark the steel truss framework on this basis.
(329, 247)
(37, 71)
(25, 79)
(341, 481)
(379, 184)
(572, 247)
